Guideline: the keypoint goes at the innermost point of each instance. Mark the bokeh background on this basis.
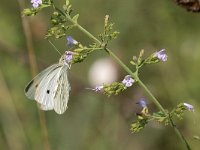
(93, 121)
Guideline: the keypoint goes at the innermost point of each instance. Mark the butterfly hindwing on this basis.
(62, 92)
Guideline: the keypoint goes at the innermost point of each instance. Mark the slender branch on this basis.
(120, 62)
(182, 138)
(83, 30)
(99, 42)
(179, 134)
(151, 95)
(130, 72)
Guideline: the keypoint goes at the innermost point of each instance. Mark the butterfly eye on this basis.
(48, 91)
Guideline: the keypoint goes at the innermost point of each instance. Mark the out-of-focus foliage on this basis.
(92, 120)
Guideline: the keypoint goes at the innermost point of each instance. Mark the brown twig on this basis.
(34, 70)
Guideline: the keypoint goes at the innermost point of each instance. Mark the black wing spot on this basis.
(48, 91)
(28, 86)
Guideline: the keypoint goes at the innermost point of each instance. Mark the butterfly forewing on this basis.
(33, 84)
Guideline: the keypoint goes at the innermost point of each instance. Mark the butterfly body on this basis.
(50, 88)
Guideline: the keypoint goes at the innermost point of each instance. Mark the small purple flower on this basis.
(128, 81)
(98, 88)
(36, 3)
(189, 106)
(161, 55)
(142, 102)
(71, 41)
(69, 56)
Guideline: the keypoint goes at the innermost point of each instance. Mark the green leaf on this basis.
(67, 2)
(75, 18)
(133, 63)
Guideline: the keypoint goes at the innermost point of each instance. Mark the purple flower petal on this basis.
(128, 81)
(98, 88)
(161, 55)
(142, 102)
(36, 3)
(71, 41)
(69, 56)
(189, 106)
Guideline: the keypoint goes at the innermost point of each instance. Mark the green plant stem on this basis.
(182, 138)
(151, 95)
(119, 61)
(136, 78)
(179, 134)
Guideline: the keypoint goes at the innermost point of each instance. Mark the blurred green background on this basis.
(93, 121)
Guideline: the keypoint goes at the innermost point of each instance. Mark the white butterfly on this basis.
(50, 88)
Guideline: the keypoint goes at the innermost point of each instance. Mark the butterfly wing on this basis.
(47, 88)
(62, 93)
(39, 88)
(50, 88)
(33, 84)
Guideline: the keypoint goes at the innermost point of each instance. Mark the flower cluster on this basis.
(142, 117)
(162, 117)
(98, 88)
(69, 57)
(69, 54)
(138, 61)
(128, 81)
(189, 107)
(116, 87)
(142, 102)
(71, 41)
(161, 55)
(79, 52)
(36, 3)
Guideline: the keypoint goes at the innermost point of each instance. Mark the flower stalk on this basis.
(135, 76)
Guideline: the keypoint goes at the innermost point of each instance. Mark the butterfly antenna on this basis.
(54, 47)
